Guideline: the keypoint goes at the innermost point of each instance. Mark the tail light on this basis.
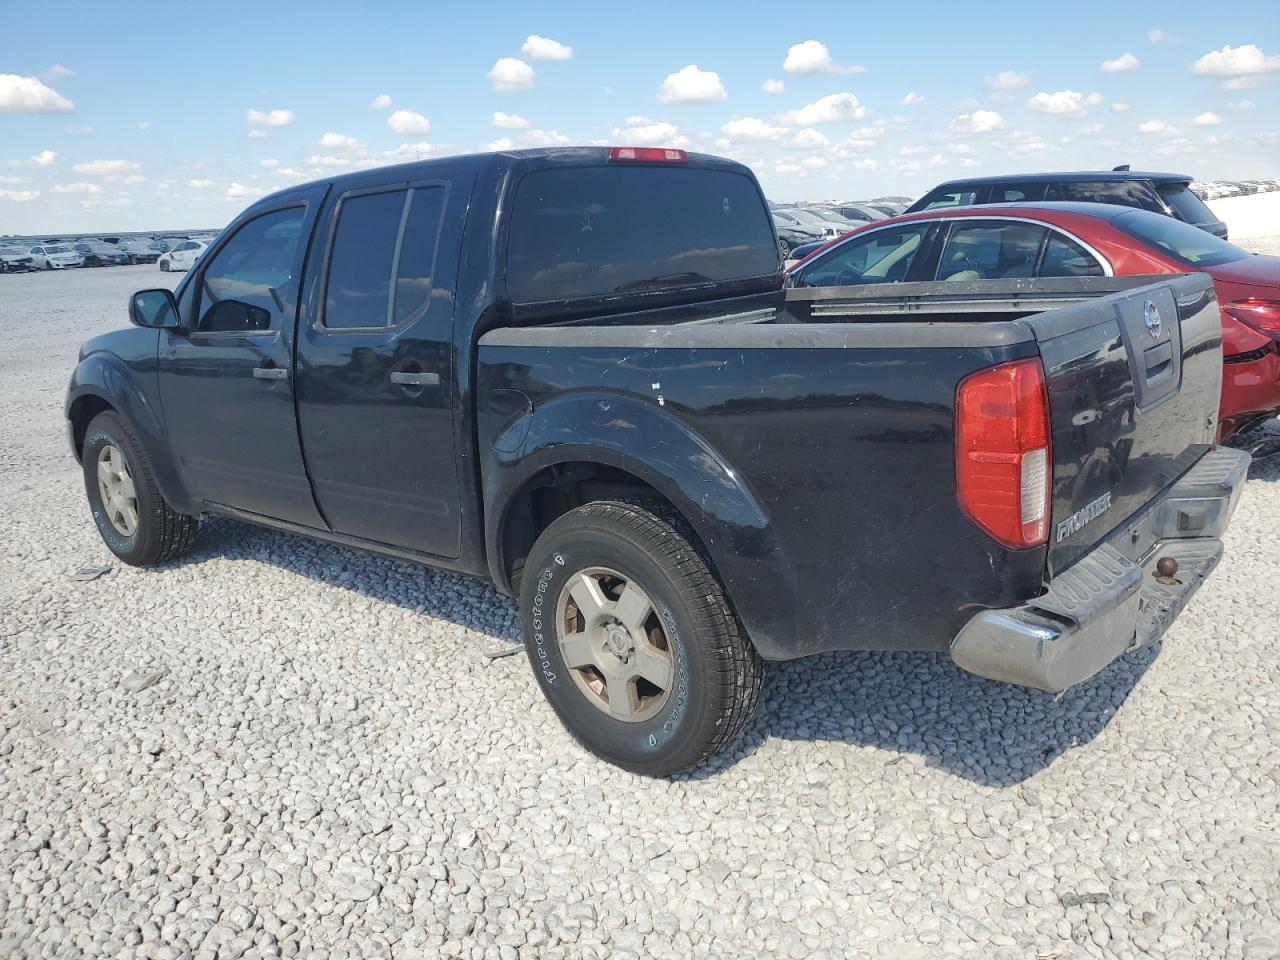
(648, 154)
(1261, 315)
(1003, 452)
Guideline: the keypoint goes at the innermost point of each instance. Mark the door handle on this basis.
(419, 378)
(270, 373)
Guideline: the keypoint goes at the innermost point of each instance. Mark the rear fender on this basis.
(102, 378)
(655, 446)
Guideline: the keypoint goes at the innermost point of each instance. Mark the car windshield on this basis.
(829, 216)
(56, 250)
(1183, 242)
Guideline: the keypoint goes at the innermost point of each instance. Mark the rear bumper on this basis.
(1111, 601)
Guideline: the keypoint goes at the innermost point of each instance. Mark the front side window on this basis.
(1187, 244)
(1064, 257)
(952, 198)
(594, 231)
(990, 250)
(249, 285)
(880, 256)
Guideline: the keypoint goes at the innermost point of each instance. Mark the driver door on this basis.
(226, 375)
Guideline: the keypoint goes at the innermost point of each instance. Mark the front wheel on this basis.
(135, 522)
(633, 641)
(164, 266)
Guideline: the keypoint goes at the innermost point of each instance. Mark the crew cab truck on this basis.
(575, 371)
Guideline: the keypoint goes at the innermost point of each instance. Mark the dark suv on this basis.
(1166, 193)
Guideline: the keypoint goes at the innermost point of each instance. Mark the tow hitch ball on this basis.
(1166, 571)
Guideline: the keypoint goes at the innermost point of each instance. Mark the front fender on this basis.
(129, 389)
(657, 447)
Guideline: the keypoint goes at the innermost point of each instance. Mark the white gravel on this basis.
(280, 748)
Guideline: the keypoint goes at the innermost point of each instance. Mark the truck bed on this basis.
(809, 437)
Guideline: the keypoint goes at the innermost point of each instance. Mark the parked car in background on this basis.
(139, 250)
(792, 236)
(1166, 193)
(1022, 241)
(840, 222)
(857, 212)
(53, 256)
(165, 244)
(182, 256)
(15, 260)
(808, 221)
(99, 254)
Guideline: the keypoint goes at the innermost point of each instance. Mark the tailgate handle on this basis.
(1158, 361)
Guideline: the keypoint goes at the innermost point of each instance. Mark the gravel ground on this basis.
(281, 748)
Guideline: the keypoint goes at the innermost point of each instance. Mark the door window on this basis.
(881, 256)
(247, 286)
(418, 254)
(1017, 192)
(1126, 193)
(1066, 258)
(952, 198)
(990, 250)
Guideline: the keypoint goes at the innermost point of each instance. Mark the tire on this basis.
(159, 532)
(689, 639)
(785, 248)
(164, 266)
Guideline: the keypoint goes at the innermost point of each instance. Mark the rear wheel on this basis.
(632, 639)
(135, 522)
(164, 266)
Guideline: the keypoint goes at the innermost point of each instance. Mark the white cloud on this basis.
(643, 132)
(1121, 64)
(905, 166)
(1092, 129)
(544, 48)
(144, 124)
(1118, 107)
(1156, 35)
(57, 72)
(102, 168)
(401, 154)
(502, 143)
(751, 130)
(202, 184)
(980, 121)
(813, 162)
(511, 73)
(1006, 81)
(20, 196)
(14, 180)
(691, 84)
(774, 87)
(1173, 147)
(408, 123)
(912, 99)
(833, 108)
(1064, 103)
(78, 187)
(269, 118)
(812, 56)
(270, 163)
(256, 134)
(543, 138)
(1206, 119)
(339, 141)
(131, 180)
(1154, 126)
(865, 164)
(1241, 106)
(30, 95)
(45, 158)
(381, 102)
(238, 191)
(328, 160)
(291, 173)
(808, 139)
(1239, 67)
(510, 121)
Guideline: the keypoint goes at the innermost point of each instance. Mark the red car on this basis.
(1078, 240)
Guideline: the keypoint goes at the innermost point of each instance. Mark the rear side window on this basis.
(245, 288)
(1126, 193)
(951, 198)
(1017, 192)
(1185, 204)
(593, 231)
(383, 258)
(990, 250)
(1066, 258)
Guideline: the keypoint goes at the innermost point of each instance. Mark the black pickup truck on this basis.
(576, 372)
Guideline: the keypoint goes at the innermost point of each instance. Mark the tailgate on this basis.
(1133, 380)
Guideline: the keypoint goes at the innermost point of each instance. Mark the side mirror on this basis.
(153, 308)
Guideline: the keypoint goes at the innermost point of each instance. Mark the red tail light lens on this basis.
(1262, 315)
(648, 155)
(1003, 453)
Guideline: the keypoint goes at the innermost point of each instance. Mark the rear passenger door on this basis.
(375, 364)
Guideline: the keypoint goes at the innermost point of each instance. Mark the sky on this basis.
(166, 115)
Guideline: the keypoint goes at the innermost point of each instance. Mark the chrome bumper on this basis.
(1110, 603)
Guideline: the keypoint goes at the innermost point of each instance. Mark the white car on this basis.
(53, 257)
(183, 256)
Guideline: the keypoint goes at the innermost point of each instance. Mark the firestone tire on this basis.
(159, 532)
(714, 674)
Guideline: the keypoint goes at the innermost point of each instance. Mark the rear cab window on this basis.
(588, 232)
